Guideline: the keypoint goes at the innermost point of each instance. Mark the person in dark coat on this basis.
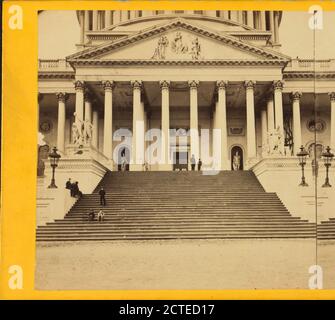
(76, 191)
(199, 164)
(68, 186)
(102, 194)
(91, 216)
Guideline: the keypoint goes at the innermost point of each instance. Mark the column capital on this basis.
(164, 84)
(193, 84)
(108, 85)
(136, 84)
(278, 85)
(62, 96)
(79, 85)
(332, 96)
(249, 84)
(221, 84)
(296, 96)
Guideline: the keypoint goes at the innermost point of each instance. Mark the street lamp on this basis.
(327, 158)
(54, 158)
(302, 155)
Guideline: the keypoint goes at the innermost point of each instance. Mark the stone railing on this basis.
(54, 65)
(309, 65)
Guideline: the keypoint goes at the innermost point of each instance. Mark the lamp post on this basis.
(54, 158)
(302, 155)
(327, 158)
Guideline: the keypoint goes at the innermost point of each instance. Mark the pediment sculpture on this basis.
(178, 45)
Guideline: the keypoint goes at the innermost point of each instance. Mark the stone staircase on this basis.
(179, 205)
(326, 229)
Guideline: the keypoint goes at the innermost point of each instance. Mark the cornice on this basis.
(95, 62)
(56, 75)
(292, 75)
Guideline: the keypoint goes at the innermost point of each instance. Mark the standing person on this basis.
(68, 186)
(101, 216)
(199, 164)
(102, 194)
(193, 162)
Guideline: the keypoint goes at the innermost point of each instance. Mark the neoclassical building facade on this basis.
(211, 84)
(191, 71)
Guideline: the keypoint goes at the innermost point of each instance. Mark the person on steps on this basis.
(91, 215)
(68, 186)
(199, 164)
(193, 162)
(75, 190)
(102, 194)
(101, 216)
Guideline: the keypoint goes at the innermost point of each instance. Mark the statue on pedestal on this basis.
(77, 131)
(87, 134)
(236, 161)
(275, 142)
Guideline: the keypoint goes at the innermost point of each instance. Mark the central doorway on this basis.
(123, 154)
(180, 160)
(236, 157)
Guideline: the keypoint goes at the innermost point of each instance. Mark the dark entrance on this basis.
(236, 157)
(180, 160)
(123, 154)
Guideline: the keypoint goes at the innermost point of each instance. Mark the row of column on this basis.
(271, 117)
(254, 19)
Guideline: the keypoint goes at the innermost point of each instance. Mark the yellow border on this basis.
(19, 141)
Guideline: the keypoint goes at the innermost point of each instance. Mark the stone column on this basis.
(108, 18)
(263, 20)
(79, 87)
(276, 26)
(250, 18)
(332, 121)
(87, 20)
(132, 14)
(251, 129)
(224, 14)
(279, 121)
(211, 13)
(124, 15)
(136, 152)
(194, 134)
(82, 26)
(95, 130)
(270, 114)
(221, 122)
(62, 97)
(264, 126)
(296, 121)
(95, 20)
(108, 119)
(116, 16)
(271, 20)
(165, 155)
(88, 107)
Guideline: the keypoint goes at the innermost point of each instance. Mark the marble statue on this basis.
(236, 161)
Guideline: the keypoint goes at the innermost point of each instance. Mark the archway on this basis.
(236, 158)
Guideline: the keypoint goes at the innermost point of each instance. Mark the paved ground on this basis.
(182, 264)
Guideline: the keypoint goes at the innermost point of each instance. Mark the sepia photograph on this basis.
(185, 150)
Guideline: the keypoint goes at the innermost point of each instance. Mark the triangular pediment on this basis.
(177, 40)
